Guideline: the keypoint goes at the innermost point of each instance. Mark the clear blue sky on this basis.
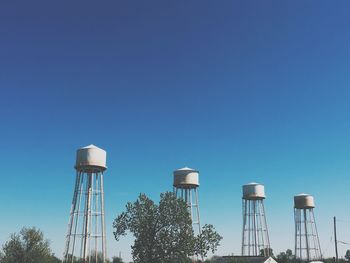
(240, 90)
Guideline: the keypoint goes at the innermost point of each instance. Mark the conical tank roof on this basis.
(186, 178)
(185, 169)
(91, 146)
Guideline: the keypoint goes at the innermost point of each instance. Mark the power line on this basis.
(344, 243)
(343, 220)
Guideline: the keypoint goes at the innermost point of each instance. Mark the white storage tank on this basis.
(253, 191)
(91, 158)
(186, 178)
(304, 201)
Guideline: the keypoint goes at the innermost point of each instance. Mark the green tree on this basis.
(286, 257)
(214, 259)
(117, 260)
(289, 254)
(266, 251)
(53, 259)
(29, 246)
(73, 259)
(163, 232)
(347, 255)
(207, 240)
(282, 258)
(94, 258)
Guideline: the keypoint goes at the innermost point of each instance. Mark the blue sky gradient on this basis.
(240, 90)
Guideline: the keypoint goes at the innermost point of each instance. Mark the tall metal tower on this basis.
(255, 235)
(86, 237)
(186, 183)
(307, 243)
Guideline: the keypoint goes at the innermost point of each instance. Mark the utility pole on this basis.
(335, 239)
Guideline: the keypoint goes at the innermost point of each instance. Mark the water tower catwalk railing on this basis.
(255, 235)
(307, 243)
(86, 236)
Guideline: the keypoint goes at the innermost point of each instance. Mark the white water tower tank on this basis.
(254, 221)
(253, 191)
(186, 178)
(307, 243)
(186, 186)
(91, 157)
(86, 235)
(304, 201)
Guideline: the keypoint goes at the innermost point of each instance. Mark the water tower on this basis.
(255, 236)
(307, 243)
(86, 237)
(186, 183)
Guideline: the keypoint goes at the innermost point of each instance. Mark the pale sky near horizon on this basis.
(240, 90)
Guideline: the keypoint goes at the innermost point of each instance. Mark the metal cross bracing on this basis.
(255, 236)
(190, 196)
(86, 237)
(307, 244)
